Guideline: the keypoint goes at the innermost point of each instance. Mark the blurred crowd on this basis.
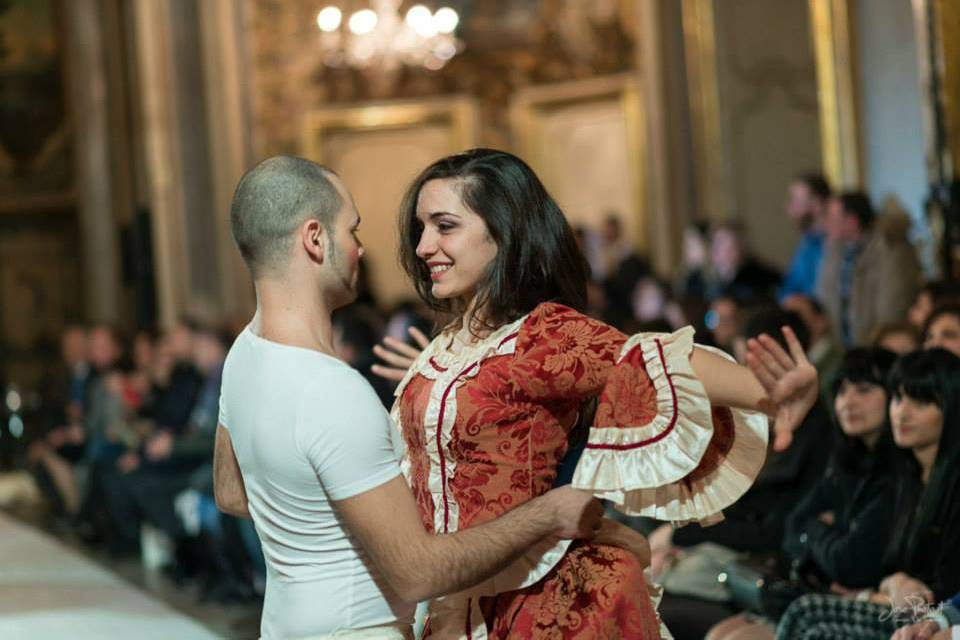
(123, 448)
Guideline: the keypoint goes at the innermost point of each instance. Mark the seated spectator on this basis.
(930, 296)
(870, 272)
(755, 523)
(150, 473)
(692, 282)
(839, 529)
(901, 338)
(920, 560)
(824, 353)
(734, 272)
(53, 455)
(943, 329)
(723, 322)
(806, 207)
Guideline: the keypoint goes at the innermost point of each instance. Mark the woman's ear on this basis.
(312, 238)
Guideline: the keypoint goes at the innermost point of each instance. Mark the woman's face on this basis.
(861, 408)
(944, 332)
(455, 242)
(916, 424)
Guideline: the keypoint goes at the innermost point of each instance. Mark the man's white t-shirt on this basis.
(307, 429)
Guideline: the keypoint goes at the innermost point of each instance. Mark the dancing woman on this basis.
(486, 409)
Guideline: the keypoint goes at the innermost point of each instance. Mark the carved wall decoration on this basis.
(35, 137)
(509, 44)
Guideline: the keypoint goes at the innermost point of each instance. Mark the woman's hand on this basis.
(398, 355)
(906, 591)
(789, 380)
(923, 630)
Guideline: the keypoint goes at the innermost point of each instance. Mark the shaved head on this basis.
(271, 202)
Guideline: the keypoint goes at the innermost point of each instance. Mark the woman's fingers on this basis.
(419, 337)
(781, 357)
(392, 358)
(389, 373)
(796, 349)
(401, 347)
(762, 352)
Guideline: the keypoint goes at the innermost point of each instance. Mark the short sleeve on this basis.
(562, 354)
(222, 412)
(347, 442)
(657, 447)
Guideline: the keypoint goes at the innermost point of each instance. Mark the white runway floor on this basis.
(48, 591)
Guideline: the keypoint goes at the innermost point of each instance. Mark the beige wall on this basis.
(766, 114)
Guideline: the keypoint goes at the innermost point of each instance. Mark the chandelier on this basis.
(379, 37)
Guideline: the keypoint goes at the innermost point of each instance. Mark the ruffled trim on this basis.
(650, 470)
(448, 371)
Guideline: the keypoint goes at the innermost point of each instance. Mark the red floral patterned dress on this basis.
(486, 427)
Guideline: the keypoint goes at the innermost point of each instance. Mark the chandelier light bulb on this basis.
(329, 19)
(445, 20)
(421, 20)
(363, 22)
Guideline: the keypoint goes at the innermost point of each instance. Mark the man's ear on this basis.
(312, 237)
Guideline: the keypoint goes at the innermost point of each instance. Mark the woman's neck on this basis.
(926, 457)
(870, 440)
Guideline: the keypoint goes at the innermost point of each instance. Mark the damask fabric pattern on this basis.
(485, 427)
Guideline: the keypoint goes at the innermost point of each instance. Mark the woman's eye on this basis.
(443, 227)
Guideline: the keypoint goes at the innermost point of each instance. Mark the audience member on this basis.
(807, 199)
(930, 296)
(755, 523)
(920, 558)
(734, 272)
(899, 337)
(839, 529)
(53, 455)
(869, 273)
(942, 329)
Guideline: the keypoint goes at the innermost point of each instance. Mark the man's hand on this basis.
(923, 630)
(577, 514)
(398, 355)
(789, 380)
(826, 518)
(159, 446)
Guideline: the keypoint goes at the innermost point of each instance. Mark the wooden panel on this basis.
(378, 149)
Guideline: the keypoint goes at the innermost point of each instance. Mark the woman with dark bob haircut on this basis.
(921, 562)
(486, 409)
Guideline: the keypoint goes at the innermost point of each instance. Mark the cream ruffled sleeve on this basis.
(658, 448)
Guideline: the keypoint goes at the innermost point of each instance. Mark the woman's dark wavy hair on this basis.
(537, 260)
(871, 366)
(931, 376)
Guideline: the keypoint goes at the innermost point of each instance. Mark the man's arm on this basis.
(228, 489)
(419, 565)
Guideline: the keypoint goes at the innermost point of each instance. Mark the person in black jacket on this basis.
(841, 527)
(921, 559)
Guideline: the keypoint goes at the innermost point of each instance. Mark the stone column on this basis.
(88, 93)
